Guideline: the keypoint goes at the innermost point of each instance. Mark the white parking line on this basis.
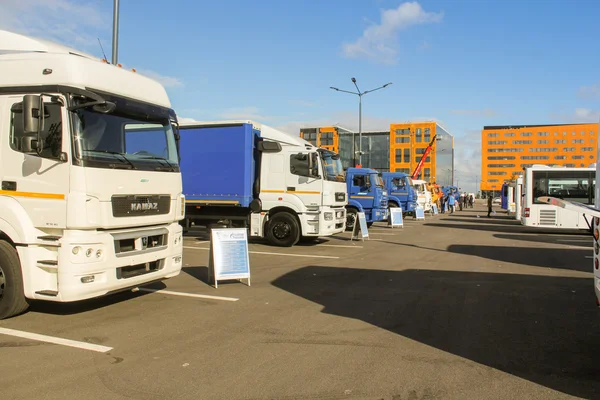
(201, 296)
(339, 245)
(267, 253)
(205, 241)
(55, 340)
(377, 233)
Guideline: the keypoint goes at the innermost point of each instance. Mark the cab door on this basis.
(38, 179)
(303, 179)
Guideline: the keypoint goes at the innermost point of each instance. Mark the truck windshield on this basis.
(124, 139)
(332, 166)
(377, 180)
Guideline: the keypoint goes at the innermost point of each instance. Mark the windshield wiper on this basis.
(172, 167)
(116, 153)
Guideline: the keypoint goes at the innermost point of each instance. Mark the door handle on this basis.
(291, 188)
(9, 185)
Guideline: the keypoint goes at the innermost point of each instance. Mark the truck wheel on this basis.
(12, 299)
(351, 218)
(369, 224)
(283, 230)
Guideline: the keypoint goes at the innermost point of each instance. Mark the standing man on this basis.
(489, 205)
(451, 203)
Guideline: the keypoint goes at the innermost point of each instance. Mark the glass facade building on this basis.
(400, 149)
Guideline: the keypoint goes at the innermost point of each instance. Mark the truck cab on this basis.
(91, 187)
(366, 193)
(423, 194)
(401, 192)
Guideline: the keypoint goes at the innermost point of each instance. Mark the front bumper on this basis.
(329, 221)
(94, 263)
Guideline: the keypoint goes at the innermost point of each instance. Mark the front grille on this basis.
(140, 205)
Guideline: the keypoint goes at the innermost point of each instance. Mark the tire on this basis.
(12, 298)
(351, 218)
(283, 230)
(369, 224)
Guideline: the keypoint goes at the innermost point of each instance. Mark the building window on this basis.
(509, 134)
(501, 165)
(497, 142)
(578, 157)
(591, 140)
(587, 149)
(398, 155)
(492, 135)
(492, 180)
(542, 133)
(570, 165)
(526, 134)
(568, 149)
(402, 135)
(419, 137)
(564, 133)
(543, 141)
(542, 149)
(573, 133)
(591, 133)
(427, 173)
(427, 137)
(503, 150)
(582, 133)
(562, 141)
(327, 139)
(496, 173)
(402, 139)
(576, 141)
(501, 157)
(560, 157)
(526, 165)
(406, 155)
(534, 157)
(555, 133)
(521, 141)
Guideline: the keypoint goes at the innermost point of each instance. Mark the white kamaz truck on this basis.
(91, 194)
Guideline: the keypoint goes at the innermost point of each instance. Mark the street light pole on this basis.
(360, 95)
(115, 41)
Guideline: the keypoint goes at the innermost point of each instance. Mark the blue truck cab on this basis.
(401, 192)
(366, 193)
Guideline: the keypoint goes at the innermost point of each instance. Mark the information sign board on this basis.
(228, 256)
(419, 213)
(360, 225)
(395, 217)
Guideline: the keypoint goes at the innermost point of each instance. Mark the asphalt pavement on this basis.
(453, 307)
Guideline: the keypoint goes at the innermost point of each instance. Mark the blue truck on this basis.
(366, 193)
(245, 174)
(401, 192)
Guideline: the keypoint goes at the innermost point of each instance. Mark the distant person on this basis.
(471, 201)
(451, 203)
(465, 200)
(461, 199)
(489, 205)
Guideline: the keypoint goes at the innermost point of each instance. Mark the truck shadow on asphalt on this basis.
(560, 258)
(48, 307)
(542, 329)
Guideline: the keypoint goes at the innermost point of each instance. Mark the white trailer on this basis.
(91, 194)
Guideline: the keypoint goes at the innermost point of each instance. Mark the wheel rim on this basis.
(282, 230)
(2, 283)
(350, 220)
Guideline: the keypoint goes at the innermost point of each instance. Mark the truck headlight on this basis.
(328, 216)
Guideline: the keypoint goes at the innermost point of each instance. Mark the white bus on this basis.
(570, 184)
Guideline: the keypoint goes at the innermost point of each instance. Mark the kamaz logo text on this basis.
(144, 206)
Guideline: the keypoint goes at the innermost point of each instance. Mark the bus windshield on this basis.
(577, 186)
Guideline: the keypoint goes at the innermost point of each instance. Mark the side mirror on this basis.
(313, 165)
(33, 124)
(31, 114)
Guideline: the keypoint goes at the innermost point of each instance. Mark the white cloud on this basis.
(379, 41)
(589, 91)
(186, 119)
(166, 81)
(486, 113)
(579, 115)
(72, 23)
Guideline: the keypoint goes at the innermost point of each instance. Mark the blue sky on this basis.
(464, 63)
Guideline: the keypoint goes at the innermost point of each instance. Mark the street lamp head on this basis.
(387, 84)
(353, 80)
(334, 88)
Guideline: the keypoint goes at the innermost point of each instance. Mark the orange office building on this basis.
(506, 150)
